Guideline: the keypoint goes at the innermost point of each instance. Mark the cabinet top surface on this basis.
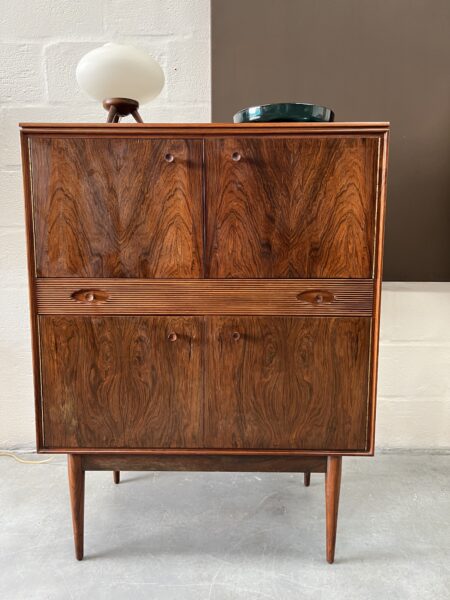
(203, 129)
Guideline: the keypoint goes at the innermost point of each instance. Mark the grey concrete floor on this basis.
(211, 536)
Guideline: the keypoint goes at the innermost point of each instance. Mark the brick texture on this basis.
(21, 73)
(41, 42)
(414, 368)
(37, 19)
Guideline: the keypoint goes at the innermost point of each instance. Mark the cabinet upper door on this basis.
(117, 207)
(291, 207)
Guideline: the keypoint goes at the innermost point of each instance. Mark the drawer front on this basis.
(287, 383)
(117, 207)
(121, 382)
(319, 297)
(300, 207)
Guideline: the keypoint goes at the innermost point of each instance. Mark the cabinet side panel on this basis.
(378, 276)
(34, 325)
(287, 383)
(117, 207)
(121, 382)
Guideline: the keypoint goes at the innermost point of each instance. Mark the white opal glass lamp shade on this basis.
(117, 71)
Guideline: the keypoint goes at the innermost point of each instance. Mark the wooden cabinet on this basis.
(205, 297)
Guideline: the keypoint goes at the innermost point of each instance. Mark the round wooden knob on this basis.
(90, 297)
(236, 156)
(236, 336)
(318, 299)
(172, 337)
(169, 157)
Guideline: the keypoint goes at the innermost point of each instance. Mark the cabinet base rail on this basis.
(78, 464)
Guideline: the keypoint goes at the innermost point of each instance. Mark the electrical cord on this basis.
(24, 460)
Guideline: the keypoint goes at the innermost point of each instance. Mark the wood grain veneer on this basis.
(128, 208)
(135, 382)
(319, 297)
(121, 382)
(284, 382)
(179, 462)
(289, 207)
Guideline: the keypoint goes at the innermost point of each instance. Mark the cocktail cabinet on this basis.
(205, 297)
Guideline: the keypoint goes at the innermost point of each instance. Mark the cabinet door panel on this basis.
(287, 383)
(290, 207)
(121, 382)
(117, 208)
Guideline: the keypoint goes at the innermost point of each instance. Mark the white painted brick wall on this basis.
(41, 42)
(21, 73)
(414, 371)
(43, 19)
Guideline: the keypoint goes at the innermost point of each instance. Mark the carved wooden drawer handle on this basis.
(316, 297)
(90, 296)
(172, 337)
(169, 157)
(236, 336)
(236, 156)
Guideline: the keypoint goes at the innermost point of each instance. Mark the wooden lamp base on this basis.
(121, 107)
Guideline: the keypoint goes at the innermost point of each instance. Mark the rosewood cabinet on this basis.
(205, 297)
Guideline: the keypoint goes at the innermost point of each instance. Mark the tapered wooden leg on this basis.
(116, 475)
(76, 487)
(307, 479)
(332, 488)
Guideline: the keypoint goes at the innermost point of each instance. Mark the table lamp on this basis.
(122, 77)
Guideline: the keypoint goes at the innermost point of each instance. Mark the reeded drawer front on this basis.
(320, 297)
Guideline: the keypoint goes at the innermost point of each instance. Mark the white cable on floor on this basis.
(23, 460)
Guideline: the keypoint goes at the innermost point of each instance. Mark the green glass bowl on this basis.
(284, 112)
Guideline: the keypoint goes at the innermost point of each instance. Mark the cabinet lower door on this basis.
(121, 382)
(287, 383)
